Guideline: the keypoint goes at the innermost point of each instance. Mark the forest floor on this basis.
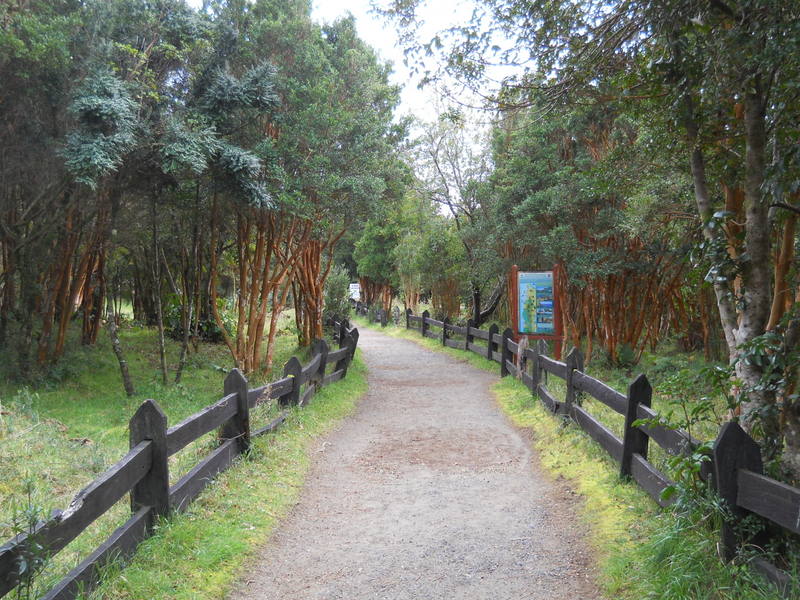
(427, 491)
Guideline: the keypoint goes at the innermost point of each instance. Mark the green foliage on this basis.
(224, 94)
(373, 251)
(441, 256)
(239, 169)
(106, 113)
(336, 149)
(337, 294)
(188, 145)
(208, 329)
(26, 515)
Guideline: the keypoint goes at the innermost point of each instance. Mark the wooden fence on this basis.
(376, 314)
(144, 471)
(734, 469)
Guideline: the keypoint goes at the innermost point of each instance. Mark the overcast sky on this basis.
(383, 37)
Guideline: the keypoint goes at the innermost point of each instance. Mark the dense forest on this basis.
(198, 165)
(202, 170)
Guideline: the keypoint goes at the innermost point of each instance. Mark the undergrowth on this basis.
(57, 437)
(641, 550)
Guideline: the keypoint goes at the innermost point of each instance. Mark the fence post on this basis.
(522, 357)
(344, 362)
(505, 351)
(425, 325)
(409, 312)
(294, 368)
(320, 347)
(635, 440)
(535, 372)
(733, 450)
(352, 344)
(541, 348)
(493, 329)
(574, 362)
(445, 323)
(150, 423)
(384, 318)
(238, 426)
(469, 338)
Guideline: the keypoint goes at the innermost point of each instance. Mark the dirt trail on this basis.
(426, 492)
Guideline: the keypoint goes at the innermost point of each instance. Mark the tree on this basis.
(335, 140)
(373, 254)
(453, 167)
(721, 74)
(441, 261)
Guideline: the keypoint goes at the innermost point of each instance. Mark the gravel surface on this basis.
(427, 491)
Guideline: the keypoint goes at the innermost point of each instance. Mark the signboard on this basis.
(536, 306)
(355, 292)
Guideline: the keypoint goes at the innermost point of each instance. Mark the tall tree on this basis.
(721, 71)
(453, 164)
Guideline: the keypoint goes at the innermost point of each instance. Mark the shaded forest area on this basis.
(191, 169)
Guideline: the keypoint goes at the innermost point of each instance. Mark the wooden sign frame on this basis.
(558, 334)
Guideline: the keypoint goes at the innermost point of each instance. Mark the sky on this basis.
(382, 36)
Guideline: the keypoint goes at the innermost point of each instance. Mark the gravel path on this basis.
(426, 492)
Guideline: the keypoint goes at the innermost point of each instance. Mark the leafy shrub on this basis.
(208, 329)
(337, 294)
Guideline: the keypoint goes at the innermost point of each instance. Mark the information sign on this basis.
(536, 303)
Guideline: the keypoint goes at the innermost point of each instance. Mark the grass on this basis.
(59, 436)
(641, 551)
(210, 545)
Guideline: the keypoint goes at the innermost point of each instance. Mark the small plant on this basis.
(698, 417)
(25, 519)
(24, 402)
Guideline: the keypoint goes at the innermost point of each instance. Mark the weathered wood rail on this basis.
(734, 469)
(144, 471)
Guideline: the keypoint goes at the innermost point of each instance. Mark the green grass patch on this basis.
(641, 550)
(57, 437)
(199, 554)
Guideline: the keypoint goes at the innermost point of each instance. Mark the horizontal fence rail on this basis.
(737, 474)
(144, 472)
